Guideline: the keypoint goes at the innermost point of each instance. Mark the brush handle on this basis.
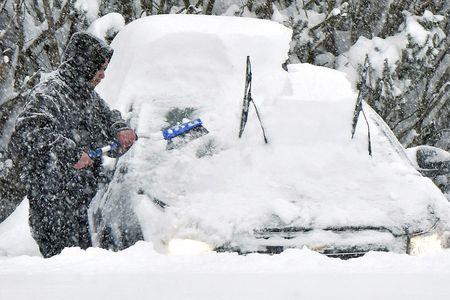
(100, 151)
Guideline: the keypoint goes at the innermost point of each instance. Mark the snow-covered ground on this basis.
(142, 273)
(312, 175)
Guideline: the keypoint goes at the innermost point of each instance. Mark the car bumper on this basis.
(344, 242)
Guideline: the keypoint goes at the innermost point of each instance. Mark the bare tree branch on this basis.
(65, 12)
(209, 7)
(37, 10)
(3, 6)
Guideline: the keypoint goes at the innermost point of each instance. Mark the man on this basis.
(63, 118)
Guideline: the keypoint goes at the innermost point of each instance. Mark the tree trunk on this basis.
(209, 7)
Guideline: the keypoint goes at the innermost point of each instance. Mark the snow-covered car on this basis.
(310, 185)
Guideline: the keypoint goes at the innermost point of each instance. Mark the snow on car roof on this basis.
(311, 174)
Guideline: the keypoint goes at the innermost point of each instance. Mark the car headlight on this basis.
(422, 244)
(187, 246)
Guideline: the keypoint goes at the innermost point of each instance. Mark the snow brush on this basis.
(179, 135)
(176, 136)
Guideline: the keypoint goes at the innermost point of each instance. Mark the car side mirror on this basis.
(431, 161)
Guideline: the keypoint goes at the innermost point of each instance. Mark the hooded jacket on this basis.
(63, 117)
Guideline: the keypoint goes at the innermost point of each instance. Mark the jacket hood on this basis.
(83, 57)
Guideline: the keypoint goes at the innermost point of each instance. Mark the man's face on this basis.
(99, 75)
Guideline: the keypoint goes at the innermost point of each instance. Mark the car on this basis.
(311, 185)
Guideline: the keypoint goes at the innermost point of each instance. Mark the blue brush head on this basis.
(177, 130)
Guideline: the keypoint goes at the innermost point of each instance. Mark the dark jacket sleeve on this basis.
(38, 131)
(113, 117)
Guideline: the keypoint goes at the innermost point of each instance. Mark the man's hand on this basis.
(126, 138)
(84, 162)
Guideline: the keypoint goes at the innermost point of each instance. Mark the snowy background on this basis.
(141, 272)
